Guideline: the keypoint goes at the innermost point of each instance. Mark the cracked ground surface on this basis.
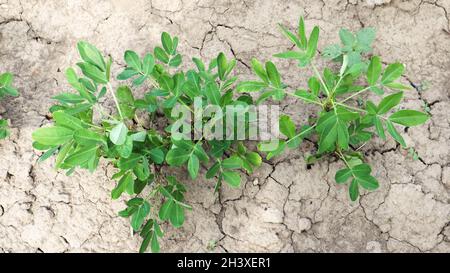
(284, 206)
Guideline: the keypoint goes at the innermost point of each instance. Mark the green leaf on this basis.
(353, 190)
(314, 86)
(64, 150)
(397, 86)
(123, 184)
(254, 158)
(273, 74)
(290, 55)
(166, 210)
(290, 36)
(68, 121)
(93, 73)
(148, 64)
(312, 43)
(6, 79)
(280, 149)
(365, 38)
(332, 51)
(157, 155)
(145, 243)
(177, 215)
(81, 156)
(161, 55)
(124, 95)
(87, 137)
(52, 136)
(343, 175)
(129, 163)
(222, 65)
(409, 117)
(175, 61)
(132, 60)
(232, 178)
(118, 134)
(389, 102)
(91, 55)
(392, 73)
(259, 70)
(193, 166)
(155, 244)
(368, 182)
(233, 162)
(177, 157)
(250, 86)
(393, 132)
(301, 33)
(139, 216)
(127, 73)
(379, 128)
(347, 38)
(9, 91)
(212, 93)
(68, 98)
(166, 42)
(374, 70)
(213, 170)
(287, 127)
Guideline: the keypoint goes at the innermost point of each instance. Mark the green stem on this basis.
(311, 101)
(301, 133)
(111, 90)
(357, 93)
(320, 78)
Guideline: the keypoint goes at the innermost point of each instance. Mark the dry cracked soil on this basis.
(284, 206)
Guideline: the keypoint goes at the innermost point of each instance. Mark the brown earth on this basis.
(284, 207)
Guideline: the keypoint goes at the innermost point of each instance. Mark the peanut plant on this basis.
(6, 88)
(142, 152)
(345, 121)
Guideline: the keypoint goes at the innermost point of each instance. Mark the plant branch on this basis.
(111, 90)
